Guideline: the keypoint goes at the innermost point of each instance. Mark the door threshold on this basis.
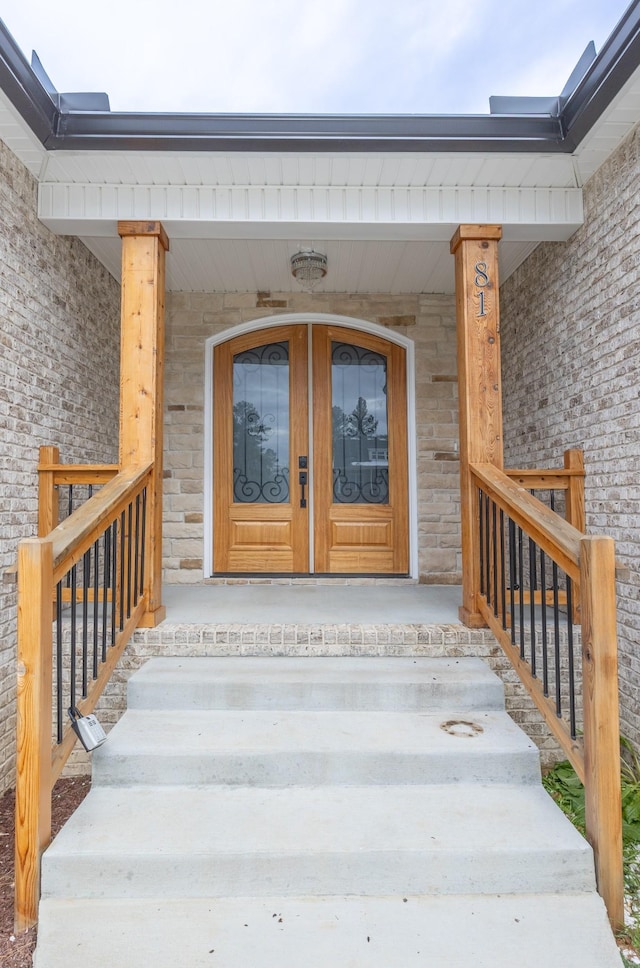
(297, 579)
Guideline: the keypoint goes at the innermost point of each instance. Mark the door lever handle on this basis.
(302, 480)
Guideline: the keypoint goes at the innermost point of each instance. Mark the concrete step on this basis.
(407, 931)
(283, 683)
(284, 748)
(370, 840)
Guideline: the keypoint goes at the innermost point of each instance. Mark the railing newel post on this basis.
(575, 507)
(601, 719)
(47, 491)
(34, 702)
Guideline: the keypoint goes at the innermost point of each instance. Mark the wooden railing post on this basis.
(479, 388)
(144, 245)
(601, 720)
(575, 507)
(48, 514)
(34, 698)
(574, 512)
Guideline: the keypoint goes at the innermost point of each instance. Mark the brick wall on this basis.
(571, 376)
(428, 320)
(59, 375)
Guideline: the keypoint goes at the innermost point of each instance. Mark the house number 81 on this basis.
(481, 280)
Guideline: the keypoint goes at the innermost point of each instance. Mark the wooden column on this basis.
(33, 730)
(480, 393)
(144, 245)
(48, 514)
(603, 807)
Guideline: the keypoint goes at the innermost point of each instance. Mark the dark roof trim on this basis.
(609, 72)
(27, 94)
(271, 132)
(60, 123)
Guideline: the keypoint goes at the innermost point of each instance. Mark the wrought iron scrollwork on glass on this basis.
(261, 424)
(271, 354)
(359, 423)
(275, 491)
(347, 490)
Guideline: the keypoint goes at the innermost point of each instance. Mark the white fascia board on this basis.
(277, 212)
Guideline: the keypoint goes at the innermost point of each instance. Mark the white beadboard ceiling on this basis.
(253, 265)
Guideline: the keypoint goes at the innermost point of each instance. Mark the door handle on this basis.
(302, 480)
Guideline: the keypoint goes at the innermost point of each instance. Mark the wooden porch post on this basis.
(144, 245)
(33, 732)
(480, 393)
(603, 807)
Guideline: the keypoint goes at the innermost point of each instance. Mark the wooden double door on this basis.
(310, 453)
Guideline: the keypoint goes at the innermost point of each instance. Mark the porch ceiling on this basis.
(384, 220)
(355, 266)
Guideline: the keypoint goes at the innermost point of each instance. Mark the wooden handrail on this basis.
(80, 473)
(42, 563)
(553, 534)
(589, 560)
(76, 534)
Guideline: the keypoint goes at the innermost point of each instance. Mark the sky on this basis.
(331, 56)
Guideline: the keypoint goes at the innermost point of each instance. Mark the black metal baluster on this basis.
(86, 582)
(483, 589)
(556, 632)
(572, 681)
(532, 603)
(129, 544)
(144, 535)
(74, 608)
(59, 704)
(503, 579)
(512, 578)
(521, 590)
(543, 615)
(122, 564)
(115, 592)
(106, 576)
(487, 548)
(494, 538)
(96, 605)
(136, 551)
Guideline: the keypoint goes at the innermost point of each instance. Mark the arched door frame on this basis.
(309, 319)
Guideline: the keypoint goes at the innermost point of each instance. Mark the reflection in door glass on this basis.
(261, 425)
(359, 421)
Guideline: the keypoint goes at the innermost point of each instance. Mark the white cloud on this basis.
(342, 56)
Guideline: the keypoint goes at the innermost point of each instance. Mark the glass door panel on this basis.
(261, 424)
(360, 441)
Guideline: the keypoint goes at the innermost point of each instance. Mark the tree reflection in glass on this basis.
(261, 425)
(359, 422)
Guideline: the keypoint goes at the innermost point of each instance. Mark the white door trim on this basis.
(290, 319)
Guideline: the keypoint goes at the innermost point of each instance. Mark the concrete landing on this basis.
(313, 603)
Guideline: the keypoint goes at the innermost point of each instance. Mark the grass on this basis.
(562, 783)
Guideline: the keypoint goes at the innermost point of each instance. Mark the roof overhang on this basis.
(236, 191)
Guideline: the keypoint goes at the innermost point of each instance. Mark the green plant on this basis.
(562, 783)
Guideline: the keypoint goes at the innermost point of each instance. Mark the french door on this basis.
(294, 495)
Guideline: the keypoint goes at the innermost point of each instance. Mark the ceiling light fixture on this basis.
(308, 268)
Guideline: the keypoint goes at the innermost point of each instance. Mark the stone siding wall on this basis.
(571, 376)
(59, 379)
(429, 320)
